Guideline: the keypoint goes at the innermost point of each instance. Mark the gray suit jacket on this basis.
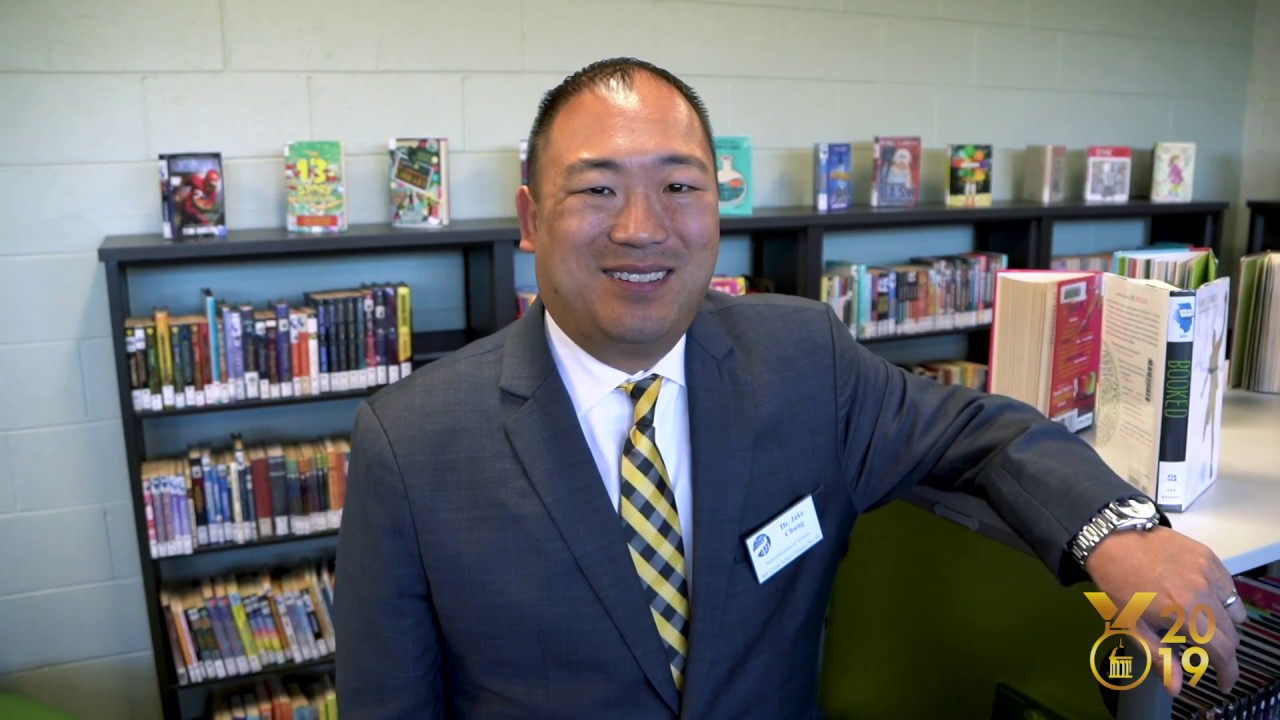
(483, 573)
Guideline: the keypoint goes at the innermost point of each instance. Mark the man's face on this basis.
(626, 223)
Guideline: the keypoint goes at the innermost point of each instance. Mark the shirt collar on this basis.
(589, 381)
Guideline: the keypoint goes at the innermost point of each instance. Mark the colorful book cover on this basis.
(1107, 173)
(1077, 329)
(192, 197)
(833, 184)
(419, 182)
(1173, 166)
(896, 175)
(968, 175)
(315, 186)
(733, 174)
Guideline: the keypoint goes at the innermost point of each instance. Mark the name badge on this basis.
(784, 538)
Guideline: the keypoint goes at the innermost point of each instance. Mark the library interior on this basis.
(964, 317)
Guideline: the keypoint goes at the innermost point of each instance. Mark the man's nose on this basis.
(641, 221)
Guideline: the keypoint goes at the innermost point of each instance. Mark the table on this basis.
(1238, 517)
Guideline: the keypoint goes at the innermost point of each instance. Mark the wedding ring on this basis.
(1232, 599)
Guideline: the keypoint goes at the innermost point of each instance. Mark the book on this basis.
(1255, 347)
(419, 182)
(895, 177)
(242, 493)
(241, 624)
(1173, 167)
(1044, 173)
(734, 174)
(730, 284)
(926, 294)
(833, 171)
(1107, 173)
(1045, 342)
(1161, 384)
(1185, 267)
(968, 175)
(192, 195)
(315, 186)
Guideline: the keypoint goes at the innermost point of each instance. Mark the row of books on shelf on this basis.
(193, 185)
(241, 624)
(310, 696)
(1256, 694)
(927, 294)
(243, 494)
(1139, 354)
(333, 341)
(896, 170)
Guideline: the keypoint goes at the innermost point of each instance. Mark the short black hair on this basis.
(621, 70)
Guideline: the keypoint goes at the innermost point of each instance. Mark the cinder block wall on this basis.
(91, 91)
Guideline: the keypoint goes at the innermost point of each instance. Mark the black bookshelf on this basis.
(786, 251)
(1264, 226)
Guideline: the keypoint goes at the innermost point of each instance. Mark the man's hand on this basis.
(1182, 573)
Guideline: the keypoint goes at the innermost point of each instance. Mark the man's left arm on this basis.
(901, 430)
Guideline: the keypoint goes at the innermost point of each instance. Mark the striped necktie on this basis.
(648, 510)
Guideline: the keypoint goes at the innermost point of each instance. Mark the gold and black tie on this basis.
(648, 510)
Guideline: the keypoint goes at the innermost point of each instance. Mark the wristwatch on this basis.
(1134, 513)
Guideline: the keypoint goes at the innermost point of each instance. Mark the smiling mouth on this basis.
(639, 278)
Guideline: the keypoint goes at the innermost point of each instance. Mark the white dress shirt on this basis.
(605, 414)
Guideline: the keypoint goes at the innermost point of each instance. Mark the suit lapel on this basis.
(720, 430)
(547, 438)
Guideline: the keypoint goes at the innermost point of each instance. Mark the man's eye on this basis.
(599, 191)
(679, 188)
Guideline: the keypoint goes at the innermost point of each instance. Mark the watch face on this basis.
(1137, 507)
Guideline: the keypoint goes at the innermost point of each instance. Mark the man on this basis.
(553, 522)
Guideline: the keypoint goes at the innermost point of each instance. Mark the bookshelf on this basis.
(1264, 226)
(786, 249)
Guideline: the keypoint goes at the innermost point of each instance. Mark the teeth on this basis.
(640, 277)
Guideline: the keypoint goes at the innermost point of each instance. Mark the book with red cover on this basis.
(1046, 341)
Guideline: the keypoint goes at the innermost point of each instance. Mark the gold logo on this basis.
(1125, 658)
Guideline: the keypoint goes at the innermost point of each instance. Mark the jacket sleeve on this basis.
(900, 430)
(388, 654)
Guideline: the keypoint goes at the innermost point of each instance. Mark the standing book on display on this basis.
(1044, 342)
(419, 182)
(315, 186)
(968, 175)
(1162, 380)
(1255, 349)
(192, 199)
(1107, 173)
(733, 174)
(895, 179)
(1044, 173)
(833, 184)
(1173, 167)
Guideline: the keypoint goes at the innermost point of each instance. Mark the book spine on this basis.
(1171, 480)
(284, 349)
(313, 351)
(404, 331)
(252, 340)
(393, 335)
(322, 316)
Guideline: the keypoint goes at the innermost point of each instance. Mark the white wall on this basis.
(1261, 177)
(91, 91)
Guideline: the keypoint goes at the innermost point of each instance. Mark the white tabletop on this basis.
(1238, 517)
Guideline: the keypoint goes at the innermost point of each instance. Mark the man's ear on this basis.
(528, 212)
